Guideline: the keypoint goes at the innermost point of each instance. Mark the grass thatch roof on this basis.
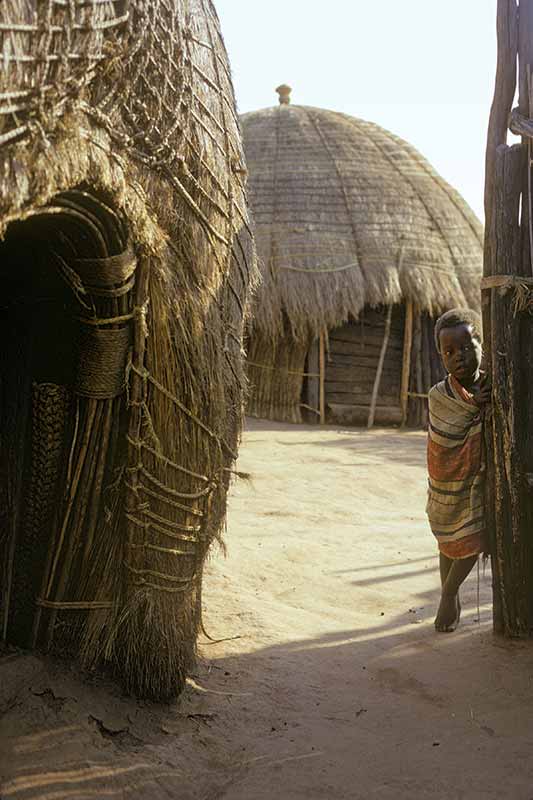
(347, 214)
(133, 102)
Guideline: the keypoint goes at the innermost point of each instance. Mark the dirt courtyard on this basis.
(331, 682)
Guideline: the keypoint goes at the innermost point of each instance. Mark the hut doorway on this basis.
(352, 364)
(376, 369)
(56, 445)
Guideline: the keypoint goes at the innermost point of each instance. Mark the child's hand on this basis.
(482, 395)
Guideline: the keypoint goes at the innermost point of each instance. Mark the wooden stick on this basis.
(504, 90)
(525, 51)
(312, 401)
(505, 511)
(520, 125)
(54, 552)
(322, 370)
(137, 387)
(525, 59)
(85, 442)
(102, 454)
(310, 408)
(73, 541)
(406, 364)
(379, 370)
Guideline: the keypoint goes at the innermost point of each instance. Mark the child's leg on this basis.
(455, 573)
(445, 564)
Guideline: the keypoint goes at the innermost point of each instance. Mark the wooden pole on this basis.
(525, 62)
(505, 513)
(137, 384)
(504, 90)
(313, 379)
(322, 370)
(406, 364)
(508, 251)
(379, 370)
(525, 51)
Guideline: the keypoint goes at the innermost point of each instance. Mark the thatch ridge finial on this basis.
(284, 92)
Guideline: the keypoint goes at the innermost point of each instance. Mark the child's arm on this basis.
(482, 393)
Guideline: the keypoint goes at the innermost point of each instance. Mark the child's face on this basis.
(461, 353)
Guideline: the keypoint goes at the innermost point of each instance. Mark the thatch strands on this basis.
(121, 176)
(277, 373)
(335, 201)
(507, 292)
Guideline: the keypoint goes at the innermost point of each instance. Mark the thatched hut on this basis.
(125, 264)
(361, 244)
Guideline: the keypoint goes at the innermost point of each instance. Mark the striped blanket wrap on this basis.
(455, 505)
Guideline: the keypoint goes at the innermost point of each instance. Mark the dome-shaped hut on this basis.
(125, 264)
(361, 244)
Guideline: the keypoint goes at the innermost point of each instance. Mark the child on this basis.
(455, 506)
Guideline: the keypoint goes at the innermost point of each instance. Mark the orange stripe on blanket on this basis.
(455, 464)
(471, 545)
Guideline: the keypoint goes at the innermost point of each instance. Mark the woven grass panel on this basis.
(132, 103)
(348, 215)
(276, 371)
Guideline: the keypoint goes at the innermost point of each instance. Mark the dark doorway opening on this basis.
(40, 307)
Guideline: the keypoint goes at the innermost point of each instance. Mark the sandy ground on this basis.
(337, 685)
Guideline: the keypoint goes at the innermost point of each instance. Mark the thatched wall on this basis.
(349, 216)
(276, 371)
(132, 102)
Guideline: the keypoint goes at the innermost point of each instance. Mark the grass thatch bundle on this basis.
(126, 265)
(347, 217)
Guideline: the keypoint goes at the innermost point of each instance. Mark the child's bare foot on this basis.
(449, 613)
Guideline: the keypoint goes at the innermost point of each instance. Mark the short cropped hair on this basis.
(459, 316)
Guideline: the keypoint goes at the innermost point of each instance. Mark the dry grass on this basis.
(275, 372)
(348, 215)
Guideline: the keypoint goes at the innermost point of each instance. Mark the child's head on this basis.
(458, 339)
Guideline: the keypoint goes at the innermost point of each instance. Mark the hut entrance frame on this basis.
(68, 277)
(366, 371)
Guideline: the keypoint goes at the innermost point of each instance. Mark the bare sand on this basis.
(337, 685)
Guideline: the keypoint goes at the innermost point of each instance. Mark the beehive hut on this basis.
(361, 244)
(125, 265)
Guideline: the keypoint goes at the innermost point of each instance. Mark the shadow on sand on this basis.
(251, 717)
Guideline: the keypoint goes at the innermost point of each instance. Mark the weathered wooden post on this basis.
(406, 360)
(507, 303)
(322, 364)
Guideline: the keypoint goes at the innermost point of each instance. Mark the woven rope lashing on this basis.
(102, 359)
(103, 273)
(104, 343)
